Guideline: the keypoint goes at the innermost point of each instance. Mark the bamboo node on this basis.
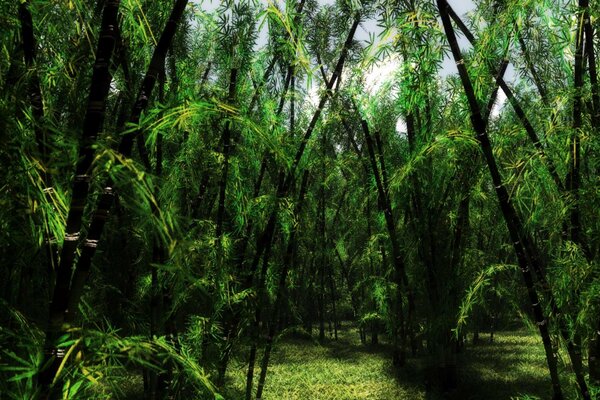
(460, 62)
(542, 323)
(91, 243)
(82, 178)
(72, 237)
(58, 352)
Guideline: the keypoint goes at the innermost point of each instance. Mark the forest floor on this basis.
(512, 367)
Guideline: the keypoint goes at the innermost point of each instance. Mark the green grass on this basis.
(513, 367)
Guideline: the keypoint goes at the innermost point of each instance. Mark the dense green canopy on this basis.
(185, 183)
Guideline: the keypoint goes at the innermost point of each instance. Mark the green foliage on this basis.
(211, 245)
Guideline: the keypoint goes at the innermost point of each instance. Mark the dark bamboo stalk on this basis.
(265, 77)
(279, 295)
(293, 104)
(155, 67)
(399, 276)
(274, 60)
(105, 203)
(513, 222)
(322, 101)
(516, 106)
(285, 181)
(574, 176)
(260, 299)
(594, 355)
(35, 93)
(41, 134)
(534, 259)
(158, 297)
(93, 121)
(323, 242)
(592, 69)
(226, 138)
(288, 179)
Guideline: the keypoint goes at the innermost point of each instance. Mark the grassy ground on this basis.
(513, 367)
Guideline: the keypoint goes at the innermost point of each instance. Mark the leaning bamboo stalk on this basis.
(337, 72)
(285, 182)
(515, 104)
(511, 218)
(278, 303)
(399, 276)
(592, 69)
(532, 70)
(531, 251)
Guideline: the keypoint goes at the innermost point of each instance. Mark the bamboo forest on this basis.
(299, 199)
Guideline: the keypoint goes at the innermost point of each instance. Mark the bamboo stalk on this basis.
(106, 201)
(515, 104)
(93, 121)
(513, 222)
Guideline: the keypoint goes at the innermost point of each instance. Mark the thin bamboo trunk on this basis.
(592, 70)
(532, 254)
(322, 102)
(260, 298)
(226, 138)
(285, 182)
(41, 138)
(534, 74)
(594, 356)
(158, 305)
(279, 296)
(399, 275)
(333, 302)
(515, 104)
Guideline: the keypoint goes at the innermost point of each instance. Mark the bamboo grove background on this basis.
(181, 186)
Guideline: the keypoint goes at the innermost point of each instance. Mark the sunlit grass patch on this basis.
(512, 367)
(342, 370)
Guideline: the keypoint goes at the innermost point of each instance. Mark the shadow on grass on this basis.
(505, 369)
(512, 366)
